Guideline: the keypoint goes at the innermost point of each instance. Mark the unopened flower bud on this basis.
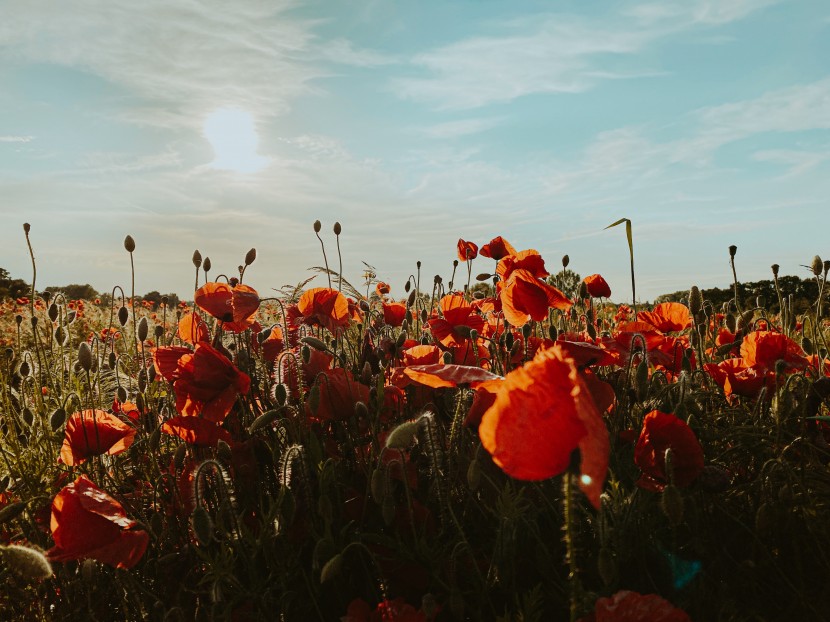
(695, 300)
(197, 258)
(129, 244)
(85, 356)
(27, 563)
(817, 266)
(250, 257)
(565, 261)
(337, 228)
(206, 264)
(317, 226)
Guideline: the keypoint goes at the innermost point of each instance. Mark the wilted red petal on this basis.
(483, 398)
(92, 433)
(543, 411)
(440, 375)
(195, 430)
(207, 384)
(524, 297)
(87, 523)
(529, 260)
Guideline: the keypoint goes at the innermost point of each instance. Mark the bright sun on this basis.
(232, 134)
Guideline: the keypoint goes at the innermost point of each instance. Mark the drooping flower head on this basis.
(92, 433)
(467, 251)
(525, 297)
(597, 286)
(87, 523)
(497, 248)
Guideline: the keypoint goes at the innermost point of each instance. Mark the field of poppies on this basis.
(483, 448)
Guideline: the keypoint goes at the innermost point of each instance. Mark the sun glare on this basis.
(232, 134)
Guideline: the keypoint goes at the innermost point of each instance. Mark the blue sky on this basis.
(706, 122)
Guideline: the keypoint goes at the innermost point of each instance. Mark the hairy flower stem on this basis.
(325, 259)
(735, 282)
(570, 545)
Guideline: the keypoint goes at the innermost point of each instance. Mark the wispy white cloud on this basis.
(16, 139)
(178, 59)
(460, 127)
(556, 53)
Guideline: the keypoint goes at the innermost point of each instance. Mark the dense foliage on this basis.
(509, 451)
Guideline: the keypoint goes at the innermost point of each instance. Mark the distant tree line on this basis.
(804, 294)
(17, 288)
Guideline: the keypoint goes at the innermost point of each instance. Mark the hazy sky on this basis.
(706, 122)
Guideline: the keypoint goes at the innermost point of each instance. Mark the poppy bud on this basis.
(314, 343)
(732, 250)
(178, 457)
(123, 316)
(447, 358)
(33, 320)
(730, 322)
(337, 228)
(807, 346)
(158, 331)
(403, 436)
(695, 300)
(411, 299)
(142, 381)
(53, 312)
(206, 265)
(129, 244)
(28, 416)
(641, 380)
(552, 332)
(85, 356)
(26, 228)
(143, 329)
(27, 563)
(202, 525)
(483, 276)
(826, 266)
(671, 503)
(527, 329)
(57, 419)
(364, 306)
(817, 266)
(565, 261)
(197, 258)
(775, 267)
(317, 226)
(314, 398)
(223, 451)
(24, 369)
(250, 257)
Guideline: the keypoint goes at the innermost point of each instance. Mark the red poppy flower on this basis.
(497, 248)
(196, 431)
(667, 317)
(467, 251)
(735, 378)
(339, 392)
(92, 433)
(382, 288)
(205, 381)
(457, 313)
(597, 286)
(228, 303)
(763, 349)
(529, 260)
(89, 524)
(326, 307)
(625, 606)
(660, 432)
(273, 345)
(421, 355)
(192, 329)
(396, 610)
(542, 413)
(524, 297)
(394, 313)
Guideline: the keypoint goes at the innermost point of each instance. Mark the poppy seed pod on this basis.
(317, 226)
(337, 228)
(775, 267)
(565, 261)
(732, 250)
(26, 228)
(250, 257)
(695, 300)
(85, 356)
(129, 244)
(817, 265)
(123, 316)
(206, 264)
(197, 258)
(143, 329)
